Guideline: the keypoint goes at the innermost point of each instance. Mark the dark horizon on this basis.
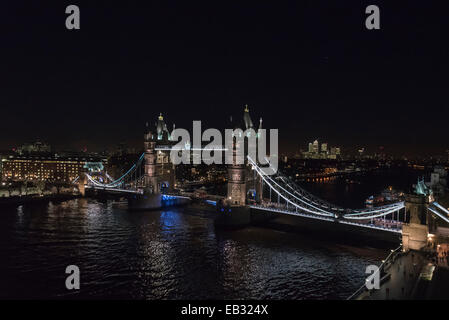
(309, 68)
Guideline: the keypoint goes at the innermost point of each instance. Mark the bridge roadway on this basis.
(212, 199)
(395, 226)
(114, 190)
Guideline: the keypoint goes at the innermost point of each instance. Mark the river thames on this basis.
(170, 254)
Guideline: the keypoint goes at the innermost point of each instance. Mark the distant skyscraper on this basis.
(361, 152)
(316, 147)
(310, 147)
(324, 147)
(323, 151)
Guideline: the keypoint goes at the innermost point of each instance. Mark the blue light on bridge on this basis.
(94, 166)
(168, 197)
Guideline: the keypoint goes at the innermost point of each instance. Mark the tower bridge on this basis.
(253, 195)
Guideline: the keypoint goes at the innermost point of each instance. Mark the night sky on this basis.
(309, 68)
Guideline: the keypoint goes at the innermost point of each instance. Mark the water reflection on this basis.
(168, 254)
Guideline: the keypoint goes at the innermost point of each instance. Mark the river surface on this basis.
(169, 254)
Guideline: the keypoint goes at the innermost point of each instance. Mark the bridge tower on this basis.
(240, 180)
(159, 170)
(236, 181)
(150, 175)
(159, 173)
(415, 233)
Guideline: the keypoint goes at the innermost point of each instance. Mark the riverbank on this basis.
(408, 276)
(27, 199)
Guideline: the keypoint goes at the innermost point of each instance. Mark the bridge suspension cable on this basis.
(435, 208)
(271, 183)
(120, 181)
(302, 192)
(440, 207)
(320, 205)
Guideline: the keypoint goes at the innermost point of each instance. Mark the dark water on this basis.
(166, 255)
(354, 194)
(169, 254)
(177, 254)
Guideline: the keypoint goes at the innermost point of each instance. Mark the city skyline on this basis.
(302, 149)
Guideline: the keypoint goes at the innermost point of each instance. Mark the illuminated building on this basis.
(361, 152)
(324, 147)
(316, 147)
(438, 180)
(42, 168)
(315, 152)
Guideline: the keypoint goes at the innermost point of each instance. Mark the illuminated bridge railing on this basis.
(397, 228)
(293, 198)
(377, 225)
(284, 210)
(114, 189)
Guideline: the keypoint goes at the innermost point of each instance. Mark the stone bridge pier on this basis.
(82, 180)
